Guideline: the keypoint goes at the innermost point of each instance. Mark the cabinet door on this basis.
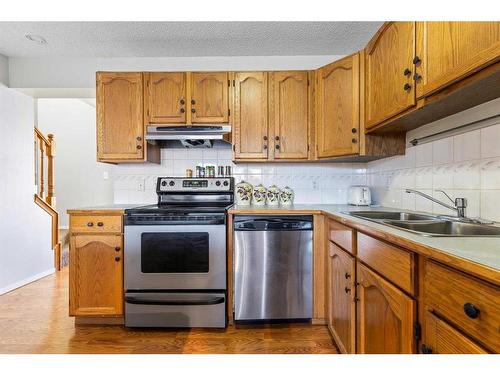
(165, 97)
(289, 107)
(119, 106)
(338, 108)
(209, 97)
(388, 91)
(250, 116)
(450, 51)
(441, 338)
(385, 316)
(96, 275)
(341, 304)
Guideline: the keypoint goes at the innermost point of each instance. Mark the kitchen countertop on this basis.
(108, 207)
(484, 251)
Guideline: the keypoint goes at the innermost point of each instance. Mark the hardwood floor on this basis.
(34, 319)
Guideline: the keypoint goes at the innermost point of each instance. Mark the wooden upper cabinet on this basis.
(96, 275)
(165, 97)
(209, 97)
(385, 316)
(250, 134)
(389, 86)
(341, 304)
(337, 132)
(119, 107)
(289, 106)
(441, 338)
(450, 51)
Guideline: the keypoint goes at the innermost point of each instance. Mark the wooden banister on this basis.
(45, 198)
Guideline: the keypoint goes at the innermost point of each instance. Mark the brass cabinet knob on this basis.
(277, 147)
(277, 138)
(139, 139)
(265, 138)
(354, 140)
(182, 102)
(193, 110)
(183, 110)
(193, 101)
(407, 87)
(471, 311)
(117, 259)
(407, 72)
(90, 224)
(347, 290)
(416, 60)
(138, 147)
(416, 77)
(265, 147)
(354, 130)
(117, 248)
(347, 276)
(100, 223)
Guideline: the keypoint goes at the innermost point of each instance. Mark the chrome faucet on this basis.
(459, 204)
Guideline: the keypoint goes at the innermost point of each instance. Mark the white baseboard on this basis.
(28, 280)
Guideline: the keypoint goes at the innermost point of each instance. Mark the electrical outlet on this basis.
(140, 184)
(315, 185)
(105, 175)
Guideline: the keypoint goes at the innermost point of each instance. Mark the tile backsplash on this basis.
(465, 165)
(311, 182)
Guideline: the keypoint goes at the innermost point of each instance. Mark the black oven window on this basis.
(174, 252)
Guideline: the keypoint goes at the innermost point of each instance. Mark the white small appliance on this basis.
(359, 196)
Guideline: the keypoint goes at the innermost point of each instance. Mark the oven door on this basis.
(170, 257)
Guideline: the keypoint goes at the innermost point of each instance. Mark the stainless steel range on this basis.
(175, 255)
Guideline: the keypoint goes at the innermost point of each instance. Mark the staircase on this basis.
(44, 180)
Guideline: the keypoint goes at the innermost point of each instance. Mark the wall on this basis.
(25, 243)
(464, 165)
(312, 182)
(79, 178)
(71, 73)
(4, 70)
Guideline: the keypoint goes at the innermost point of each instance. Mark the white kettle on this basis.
(359, 196)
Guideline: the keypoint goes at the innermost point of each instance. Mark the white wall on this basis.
(71, 73)
(4, 70)
(79, 178)
(464, 165)
(25, 229)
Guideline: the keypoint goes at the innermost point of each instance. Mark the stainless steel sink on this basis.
(447, 228)
(388, 215)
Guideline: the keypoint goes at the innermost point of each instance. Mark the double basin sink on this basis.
(429, 225)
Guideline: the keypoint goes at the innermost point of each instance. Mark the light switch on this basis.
(105, 175)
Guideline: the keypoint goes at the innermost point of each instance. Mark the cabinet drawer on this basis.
(441, 338)
(395, 264)
(96, 223)
(342, 235)
(470, 304)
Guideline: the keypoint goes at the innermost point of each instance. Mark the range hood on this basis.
(186, 132)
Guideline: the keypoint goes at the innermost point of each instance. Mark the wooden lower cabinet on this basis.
(441, 338)
(341, 299)
(96, 275)
(385, 316)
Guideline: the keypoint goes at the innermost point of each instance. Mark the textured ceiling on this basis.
(157, 39)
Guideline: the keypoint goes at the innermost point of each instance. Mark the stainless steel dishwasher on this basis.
(273, 268)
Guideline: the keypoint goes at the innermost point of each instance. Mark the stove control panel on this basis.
(181, 184)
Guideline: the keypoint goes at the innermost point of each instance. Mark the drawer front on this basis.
(342, 235)
(96, 223)
(441, 338)
(468, 303)
(395, 264)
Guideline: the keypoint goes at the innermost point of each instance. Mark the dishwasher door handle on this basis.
(173, 302)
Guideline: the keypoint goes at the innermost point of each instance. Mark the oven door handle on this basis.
(174, 302)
